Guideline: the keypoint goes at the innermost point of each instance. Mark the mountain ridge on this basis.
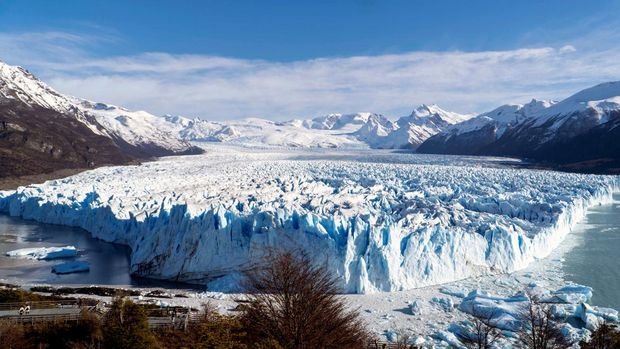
(543, 131)
(42, 131)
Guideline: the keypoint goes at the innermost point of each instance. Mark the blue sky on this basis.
(285, 59)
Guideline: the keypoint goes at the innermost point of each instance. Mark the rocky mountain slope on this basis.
(42, 130)
(580, 131)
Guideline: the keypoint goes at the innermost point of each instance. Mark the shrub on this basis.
(125, 326)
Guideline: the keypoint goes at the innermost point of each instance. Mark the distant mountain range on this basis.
(359, 130)
(42, 130)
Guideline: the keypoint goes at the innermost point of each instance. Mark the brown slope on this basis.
(35, 140)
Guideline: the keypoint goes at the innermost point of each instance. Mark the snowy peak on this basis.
(425, 114)
(509, 114)
(137, 129)
(345, 122)
(502, 117)
(592, 103)
(18, 83)
(578, 130)
(599, 92)
(424, 122)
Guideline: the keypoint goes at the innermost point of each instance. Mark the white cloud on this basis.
(568, 49)
(224, 88)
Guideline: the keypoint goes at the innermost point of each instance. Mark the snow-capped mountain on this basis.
(344, 122)
(358, 130)
(138, 128)
(424, 122)
(478, 132)
(583, 127)
(141, 133)
(145, 133)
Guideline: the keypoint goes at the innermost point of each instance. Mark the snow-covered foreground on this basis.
(387, 223)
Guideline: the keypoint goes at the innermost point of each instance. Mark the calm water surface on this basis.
(109, 263)
(595, 260)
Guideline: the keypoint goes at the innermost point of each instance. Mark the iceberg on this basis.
(378, 221)
(44, 253)
(71, 267)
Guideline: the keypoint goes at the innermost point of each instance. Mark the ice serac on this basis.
(379, 225)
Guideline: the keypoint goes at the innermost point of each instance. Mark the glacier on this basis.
(389, 222)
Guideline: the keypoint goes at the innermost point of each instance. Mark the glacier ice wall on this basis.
(378, 226)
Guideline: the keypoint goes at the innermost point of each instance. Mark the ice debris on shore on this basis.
(576, 318)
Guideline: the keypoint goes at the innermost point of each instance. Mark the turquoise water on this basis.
(595, 260)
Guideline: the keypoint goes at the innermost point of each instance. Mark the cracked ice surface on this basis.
(388, 222)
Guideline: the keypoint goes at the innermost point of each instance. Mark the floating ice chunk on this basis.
(462, 329)
(210, 295)
(44, 252)
(71, 267)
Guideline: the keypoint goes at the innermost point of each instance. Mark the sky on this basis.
(297, 59)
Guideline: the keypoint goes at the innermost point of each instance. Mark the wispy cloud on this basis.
(224, 88)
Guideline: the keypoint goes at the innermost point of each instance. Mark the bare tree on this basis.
(538, 330)
(297, 305)
(484, 332)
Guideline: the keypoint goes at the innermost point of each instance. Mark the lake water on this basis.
(109, 263)
(595, 259)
